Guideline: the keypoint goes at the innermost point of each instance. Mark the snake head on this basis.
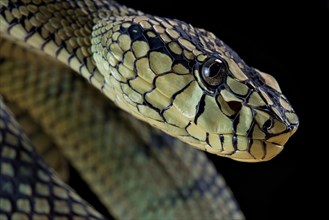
(188, 83)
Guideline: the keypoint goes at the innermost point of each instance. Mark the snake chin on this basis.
(262, 151)
(270, 147)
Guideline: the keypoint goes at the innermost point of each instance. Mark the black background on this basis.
(284, 39)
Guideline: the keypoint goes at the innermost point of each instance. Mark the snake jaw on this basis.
(271, 150)
(157, 69)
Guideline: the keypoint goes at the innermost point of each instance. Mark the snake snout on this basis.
(272, 130)
(278, 136)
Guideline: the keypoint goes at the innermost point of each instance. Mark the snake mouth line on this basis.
(258, 151)
(248, 149)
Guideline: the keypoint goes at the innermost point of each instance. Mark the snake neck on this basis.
(60, 29)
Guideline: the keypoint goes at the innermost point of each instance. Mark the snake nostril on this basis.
(268, 125)
(235, 106)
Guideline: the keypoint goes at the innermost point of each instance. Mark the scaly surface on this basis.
(178, 78)
(135, 171)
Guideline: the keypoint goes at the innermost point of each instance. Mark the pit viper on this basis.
(131, 101)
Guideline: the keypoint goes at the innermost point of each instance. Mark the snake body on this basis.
(180, 79)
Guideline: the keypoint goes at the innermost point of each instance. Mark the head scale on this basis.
(187, 82)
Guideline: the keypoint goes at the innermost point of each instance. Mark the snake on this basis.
(133, 102)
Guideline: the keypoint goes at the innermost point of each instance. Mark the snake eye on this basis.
(214, 71)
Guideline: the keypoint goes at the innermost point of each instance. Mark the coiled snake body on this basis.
(180, 79)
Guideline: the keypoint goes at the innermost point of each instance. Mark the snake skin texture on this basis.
(157, 69)
(175, 77)
(129, 172)
(29, 189)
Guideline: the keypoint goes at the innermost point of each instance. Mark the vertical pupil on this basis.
(214, 69)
